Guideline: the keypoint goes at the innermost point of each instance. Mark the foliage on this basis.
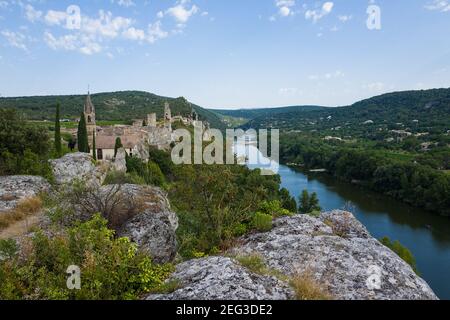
(94, 147)
(82, 135)
(110, 268)
(262, 222)
(58, 147)
(117, 146)
(149, 171)
(308, 203)
(403, 252)
(24, 148)
(118, 177)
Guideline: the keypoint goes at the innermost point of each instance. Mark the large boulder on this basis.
(154, 226)
(221, 278)
(76, 166)
(340, 254)
(13, 189)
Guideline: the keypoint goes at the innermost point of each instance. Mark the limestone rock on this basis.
(16, 188)
(221, 278)
(339, 252)
(74, 166)
(120, 162)
(153, 227)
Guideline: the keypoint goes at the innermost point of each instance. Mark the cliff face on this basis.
(335, 249)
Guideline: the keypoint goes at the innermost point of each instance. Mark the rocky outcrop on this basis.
(335, 250)
(221, 278)
(341, 255)
(120, 162)
(153, 227)
(13, 189)
(76, 166)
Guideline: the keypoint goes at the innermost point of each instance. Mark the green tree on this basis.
(308, 204)
(401, 251)
(83, 143)
(117, 146)
(94, 150)
(58, 148)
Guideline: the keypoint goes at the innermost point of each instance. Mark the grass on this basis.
(307, 288)
(253, 262)
(24, 209)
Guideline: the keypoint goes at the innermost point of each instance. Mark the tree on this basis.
(83, 143)
(117, 146)
(304, 202)
(94, 150)
(58, 148)
(308, 204)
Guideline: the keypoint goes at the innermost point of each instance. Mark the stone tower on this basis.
(151, 120)
(89, 115)
(167, 116)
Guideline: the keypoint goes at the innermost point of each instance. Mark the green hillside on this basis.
(420, 111)
(111, 106)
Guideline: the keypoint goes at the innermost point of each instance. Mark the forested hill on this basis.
(428, 109)
(124, 105)
(253, 113)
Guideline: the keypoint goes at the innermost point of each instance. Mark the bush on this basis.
(274, 209)
(110, 268)
(117, 177)
(262, 222)
(150, 172)
(403, 252)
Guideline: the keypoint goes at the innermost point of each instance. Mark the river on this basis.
(427, 235)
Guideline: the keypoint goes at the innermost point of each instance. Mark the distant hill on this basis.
(263, 112)
(424, 110)
(123, 105)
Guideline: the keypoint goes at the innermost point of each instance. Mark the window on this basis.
(99, 154)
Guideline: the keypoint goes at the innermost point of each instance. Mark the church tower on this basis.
(89, 115)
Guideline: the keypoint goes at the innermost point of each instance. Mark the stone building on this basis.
(136, 139)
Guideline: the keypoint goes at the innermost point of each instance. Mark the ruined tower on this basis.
(89, 114)
(151, 120)
(167, 116)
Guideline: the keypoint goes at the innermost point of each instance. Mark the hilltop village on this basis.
(134, 138)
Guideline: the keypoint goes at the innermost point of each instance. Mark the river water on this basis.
(427, 235)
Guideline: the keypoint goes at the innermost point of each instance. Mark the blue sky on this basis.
(225, 53)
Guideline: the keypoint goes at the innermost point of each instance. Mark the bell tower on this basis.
(89, 115)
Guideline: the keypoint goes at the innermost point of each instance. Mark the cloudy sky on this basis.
(225, 53)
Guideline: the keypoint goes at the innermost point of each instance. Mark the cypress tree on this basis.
(83, 143)
(117, 146)
(94, 150)
(58, 148)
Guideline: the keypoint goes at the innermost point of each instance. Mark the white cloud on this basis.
(125, 3)
(374, 87)
(285, 7)
(15, 39)
(439, 5)
(181, 13)
(32, 14)
(155, 32)
(344, 18)
(55, 17)
(316, 15)
(134, 34)
(327, 76)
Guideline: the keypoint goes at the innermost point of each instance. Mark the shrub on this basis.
(117, 177)
(262, 222)
(307, 288)
(274, 208)
(110, 268)
(403, 252)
